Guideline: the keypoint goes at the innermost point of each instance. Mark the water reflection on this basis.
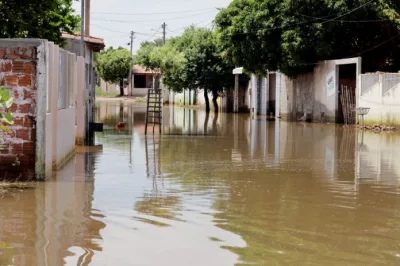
(213, 190)
(55, 223)
(293, 192)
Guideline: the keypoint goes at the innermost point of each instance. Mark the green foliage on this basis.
(113, 64)
(6, 117)
(101, 93)
(191, 61)
(44, 19)
(160, 60)
(291, 36)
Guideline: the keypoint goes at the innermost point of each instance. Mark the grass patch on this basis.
(101, 93)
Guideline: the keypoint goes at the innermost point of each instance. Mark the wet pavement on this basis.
(213, 190)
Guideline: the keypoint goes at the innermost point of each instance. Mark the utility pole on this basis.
(87, 18)
(130, 66)
(83, 28)
(164, 26)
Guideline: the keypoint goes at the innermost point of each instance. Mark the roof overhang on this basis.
(94, 43)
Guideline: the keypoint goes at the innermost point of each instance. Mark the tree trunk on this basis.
(157, 82)
(215, 124)
(121, 87)
(214, 100)
(205, 126)
(195, 97)
(207, 100)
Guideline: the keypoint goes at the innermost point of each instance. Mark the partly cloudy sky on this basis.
(113, 20)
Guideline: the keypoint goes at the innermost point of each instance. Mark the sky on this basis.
(114, 20)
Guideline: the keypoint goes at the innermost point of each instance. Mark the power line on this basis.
(140, 21)
(161, 13)
(127, 33)
(345, 21)
(196, 24)
(351, 11)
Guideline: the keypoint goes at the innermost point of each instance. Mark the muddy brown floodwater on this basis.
(213, 190)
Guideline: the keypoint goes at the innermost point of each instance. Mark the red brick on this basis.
(29, 68)
(12, 53)
(13, 108)
(29, 94)
(6, 66)
(11, 80)
(25, 80)
(20, 53)
(28, 121)
(18, 121)
(29, 148)
(7, 159)
(24, 108)
(26, 160)
(2, 53)
(16, 149)
(23, 134)
(17, 67)
(25, 53)
(2, 81)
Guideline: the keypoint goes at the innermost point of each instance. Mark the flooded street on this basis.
(213, 190)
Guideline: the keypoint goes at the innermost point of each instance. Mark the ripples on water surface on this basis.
(224, 190)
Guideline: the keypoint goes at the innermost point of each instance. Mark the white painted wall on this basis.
(309, 93)
(65, 122)
(382, 97)
(65, 133)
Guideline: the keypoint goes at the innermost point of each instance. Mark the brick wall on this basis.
(17, 73)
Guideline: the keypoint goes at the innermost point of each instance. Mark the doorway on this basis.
(346, 102)
(271, 104)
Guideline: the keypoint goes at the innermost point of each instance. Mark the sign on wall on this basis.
(330, 84)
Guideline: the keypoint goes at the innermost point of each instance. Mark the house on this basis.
(142, 81)
(313, 96)
(92, 45)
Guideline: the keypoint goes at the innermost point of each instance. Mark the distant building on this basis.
(142, 80)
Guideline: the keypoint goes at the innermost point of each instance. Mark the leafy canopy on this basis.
(203, 66)
(291, 36)
(44, 19)
(113, 64)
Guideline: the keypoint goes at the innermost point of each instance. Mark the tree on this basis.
(6, 118)
(159, 60)
(113, 66)
(291, 36)
(44, 19)
(204, 66)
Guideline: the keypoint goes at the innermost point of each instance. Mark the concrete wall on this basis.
(47, 85)
(381, 93)
(315, 92)
(65, 119)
